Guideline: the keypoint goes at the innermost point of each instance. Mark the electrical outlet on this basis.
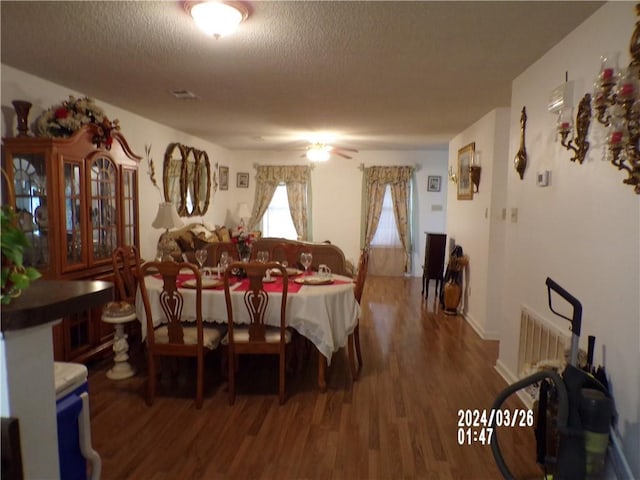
(514, 215)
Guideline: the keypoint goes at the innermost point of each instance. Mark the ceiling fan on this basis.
(320, 152)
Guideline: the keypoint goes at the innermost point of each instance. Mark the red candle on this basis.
(626, 90)
(616, 137)
(607, 74)
(564, 126)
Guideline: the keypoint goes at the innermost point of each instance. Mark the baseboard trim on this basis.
(510, 378)
(482, 333)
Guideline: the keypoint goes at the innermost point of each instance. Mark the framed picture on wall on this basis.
(242, 180)
(224, 178)
(465, 155)
(433, 183)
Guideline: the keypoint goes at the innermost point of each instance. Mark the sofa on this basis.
(216, 239)
(323, 253)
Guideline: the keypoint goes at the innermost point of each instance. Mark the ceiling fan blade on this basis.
(342, 155)
(346, 149)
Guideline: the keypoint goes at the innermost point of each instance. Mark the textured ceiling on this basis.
(381, 75)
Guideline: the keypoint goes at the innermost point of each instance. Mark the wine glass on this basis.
(201, 257)
(224, 262)
(305, 260)
(262, 256)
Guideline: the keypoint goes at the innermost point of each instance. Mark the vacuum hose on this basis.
(563, 411)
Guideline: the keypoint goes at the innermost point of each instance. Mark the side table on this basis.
(117, 314)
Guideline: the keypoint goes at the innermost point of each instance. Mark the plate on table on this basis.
(313, 281)
(268, 280)
(292, 272)
(206, 283)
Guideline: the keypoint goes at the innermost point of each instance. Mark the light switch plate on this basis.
(542, 178)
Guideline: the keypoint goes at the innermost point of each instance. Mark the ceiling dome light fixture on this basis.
(218, 18)
(318, 152)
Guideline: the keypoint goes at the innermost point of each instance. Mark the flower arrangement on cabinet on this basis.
(64, 119)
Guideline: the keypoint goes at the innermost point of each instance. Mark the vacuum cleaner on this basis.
(574, 412)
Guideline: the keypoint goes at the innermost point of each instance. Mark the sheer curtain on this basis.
(390, 251)
(297, 179)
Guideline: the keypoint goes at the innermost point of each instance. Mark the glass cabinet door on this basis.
(72, 177)
(129, 206)
(104, 217)
(30, 183)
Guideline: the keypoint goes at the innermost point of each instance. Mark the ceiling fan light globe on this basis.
(318, 154)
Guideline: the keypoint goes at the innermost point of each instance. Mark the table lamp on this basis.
(167, 218)
(243, 212)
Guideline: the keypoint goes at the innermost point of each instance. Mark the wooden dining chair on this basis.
(214, 251)
(354, 338)
(285, 251)
(256, 337)
(174, 338)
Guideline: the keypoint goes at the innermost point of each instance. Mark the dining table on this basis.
(324, 310)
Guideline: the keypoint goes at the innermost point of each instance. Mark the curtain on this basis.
(400, 196)
(297, 179)
(296, 194)
(376, 180)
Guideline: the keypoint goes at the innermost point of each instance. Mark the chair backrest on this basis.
(126, 271)
(363, 267)
(286, 251)
(172, 303)
(214, 251)
(256, 299)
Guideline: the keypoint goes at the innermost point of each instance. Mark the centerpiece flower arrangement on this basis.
(243, 240)
(64, 119)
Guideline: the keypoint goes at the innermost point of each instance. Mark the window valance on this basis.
(277, 174)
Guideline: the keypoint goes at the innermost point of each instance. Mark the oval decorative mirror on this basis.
(187, 179)
(190, 203)
(203, 182)
(172, 173)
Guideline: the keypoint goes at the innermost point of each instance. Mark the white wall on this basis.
(583, 230)
(477, 225)
(138, 131)
(337, 193)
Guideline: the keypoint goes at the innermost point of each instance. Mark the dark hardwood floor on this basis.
(399, 420)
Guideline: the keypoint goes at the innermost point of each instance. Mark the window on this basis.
(277, 221)
(387, 232)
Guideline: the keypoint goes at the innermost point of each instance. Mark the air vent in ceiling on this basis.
(184, 95)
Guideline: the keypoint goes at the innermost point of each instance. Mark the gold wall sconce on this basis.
(578, 144)
(453, 176)
(617, 101)
(520, 160)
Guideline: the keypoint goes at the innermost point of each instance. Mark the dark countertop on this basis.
(48, 300)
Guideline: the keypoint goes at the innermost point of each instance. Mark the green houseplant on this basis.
(15, 276)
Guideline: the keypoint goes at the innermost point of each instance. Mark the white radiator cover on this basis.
(540, 340)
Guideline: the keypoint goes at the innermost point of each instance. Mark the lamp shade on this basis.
(243, 210)
(167, 217)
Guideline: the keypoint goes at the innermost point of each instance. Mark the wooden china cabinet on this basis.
(76, 201)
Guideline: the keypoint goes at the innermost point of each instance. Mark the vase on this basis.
(22, 108)
(452, 295)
